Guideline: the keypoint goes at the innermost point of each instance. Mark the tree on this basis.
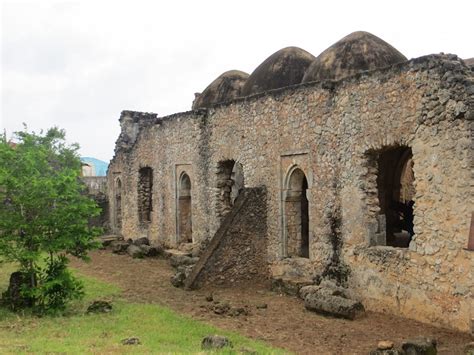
(44, 217)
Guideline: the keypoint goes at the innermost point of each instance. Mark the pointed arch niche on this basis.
(185, 230)
(295, 214)
(118, 204)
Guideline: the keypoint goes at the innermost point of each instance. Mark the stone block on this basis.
(134, 251)
(141, 241)
(182, 273)
(420, 346)
(335, 306)
(151, 251)
(327, 288)
(99, 307)
(215, 342)
(289, 286)
(182, 260)
(119, 247)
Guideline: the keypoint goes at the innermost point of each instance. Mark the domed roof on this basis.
(226, 87)
(283, 68)
(356, 52)
(469, 62)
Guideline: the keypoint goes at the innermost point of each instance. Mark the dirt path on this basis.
(284, 323)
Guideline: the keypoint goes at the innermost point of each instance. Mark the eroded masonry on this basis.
(355, 165)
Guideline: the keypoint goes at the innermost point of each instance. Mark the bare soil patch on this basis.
(284, 322)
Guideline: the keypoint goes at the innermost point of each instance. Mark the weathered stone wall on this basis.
(237, 252)
(96, 188)
(95, 184)
(329, 130)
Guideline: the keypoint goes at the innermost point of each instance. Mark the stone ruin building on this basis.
(355, 165)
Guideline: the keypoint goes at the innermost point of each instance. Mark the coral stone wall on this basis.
(331, 131)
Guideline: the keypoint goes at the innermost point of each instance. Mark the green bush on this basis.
(43, 211)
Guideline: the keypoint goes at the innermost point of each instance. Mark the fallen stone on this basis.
(238, 311)
(107, 240)
(131, 341)
(326, 287)
(119, 247)
(151, 251)
(420, 346)
(262, 306)
(336, 289)
(134, 251)
(182, 272)
(182, 260)
(169, 253)
(306, 290)
(221, 309)
(144, 248)
(385, 345)
(215, 342)
(335, 306)
(141, 241)
(158, 248)
(288, 286)
(99, 307)
(177, 280)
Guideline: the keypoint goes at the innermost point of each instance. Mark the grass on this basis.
(159, 329)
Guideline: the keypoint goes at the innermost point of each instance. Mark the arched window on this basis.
(296, 215)
(185, 232)
(118, 204)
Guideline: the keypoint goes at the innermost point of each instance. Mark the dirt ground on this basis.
(283, 323)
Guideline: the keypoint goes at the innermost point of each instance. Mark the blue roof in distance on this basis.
(99, 165)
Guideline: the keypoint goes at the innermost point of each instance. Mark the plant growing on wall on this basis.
(43, 218)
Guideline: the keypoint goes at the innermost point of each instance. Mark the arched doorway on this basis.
(185, 232)
(296, 215)
(118, 204)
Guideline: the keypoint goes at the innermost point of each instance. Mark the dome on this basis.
(469, 62)
(356, 52)
(283, 68)
(226, 87)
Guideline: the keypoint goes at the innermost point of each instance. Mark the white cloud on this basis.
(78, 64)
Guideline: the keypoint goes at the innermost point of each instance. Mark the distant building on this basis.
(93, 167)
(94, 176)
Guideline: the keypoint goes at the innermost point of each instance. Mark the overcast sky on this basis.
(78, 64)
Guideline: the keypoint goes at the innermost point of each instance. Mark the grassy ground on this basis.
(159, 329)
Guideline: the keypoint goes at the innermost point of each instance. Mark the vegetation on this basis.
(159, 329)
(43, 218)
